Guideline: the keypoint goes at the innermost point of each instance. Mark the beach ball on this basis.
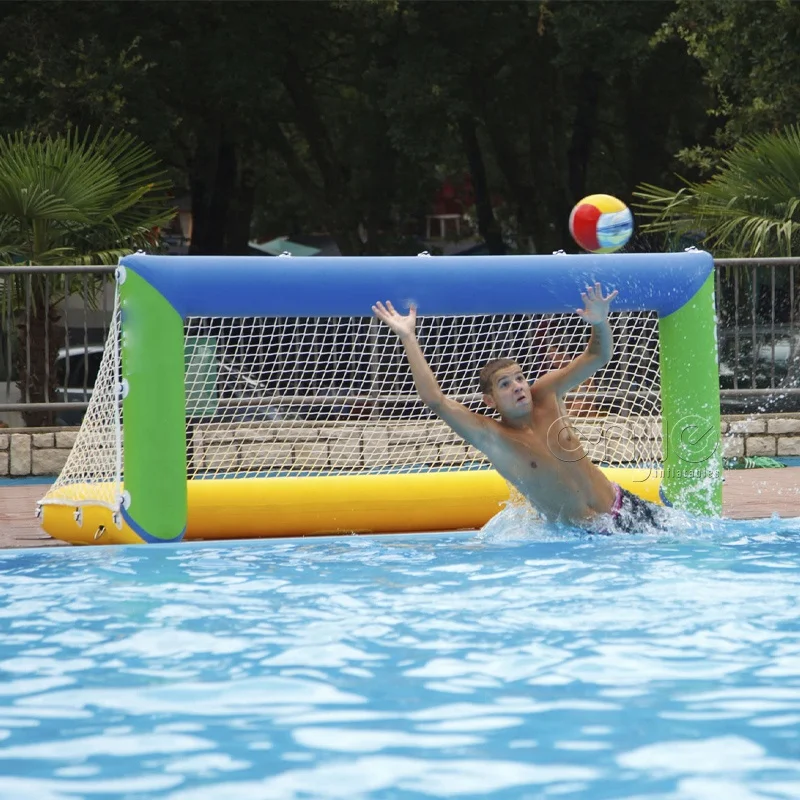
(600, 223)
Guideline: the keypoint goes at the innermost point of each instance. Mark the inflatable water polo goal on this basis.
(256, 397)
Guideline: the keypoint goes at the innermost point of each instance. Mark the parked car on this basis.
(76, 374)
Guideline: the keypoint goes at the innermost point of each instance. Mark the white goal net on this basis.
(319, 396)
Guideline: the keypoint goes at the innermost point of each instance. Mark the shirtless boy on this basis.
(532, 445)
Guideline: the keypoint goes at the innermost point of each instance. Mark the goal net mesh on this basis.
(320, 396)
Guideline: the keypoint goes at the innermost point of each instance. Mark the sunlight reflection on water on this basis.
(526, 661)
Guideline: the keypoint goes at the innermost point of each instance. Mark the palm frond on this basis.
(750, 207)
(102, 181)
(83, 198)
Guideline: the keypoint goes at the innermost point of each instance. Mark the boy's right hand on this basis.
(403, 326)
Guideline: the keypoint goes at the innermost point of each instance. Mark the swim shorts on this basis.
(631, 514)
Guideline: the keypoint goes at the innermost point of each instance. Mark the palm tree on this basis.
(750, 208)
(69, 200)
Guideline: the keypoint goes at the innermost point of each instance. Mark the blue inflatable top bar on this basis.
(256, 286)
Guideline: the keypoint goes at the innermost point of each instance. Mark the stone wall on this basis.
(34, 451)
(762, 435)
(44, 451)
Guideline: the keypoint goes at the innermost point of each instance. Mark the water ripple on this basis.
(506, 665)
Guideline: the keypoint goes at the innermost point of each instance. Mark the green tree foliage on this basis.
(750, 56)
(566, 98)
(270, 103)
(345, 116)
(56, 72)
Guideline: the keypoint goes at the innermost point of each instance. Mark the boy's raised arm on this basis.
(597, 353)
(406, 329)
(464, 422)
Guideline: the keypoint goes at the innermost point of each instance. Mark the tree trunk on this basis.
(547, 143)
(240, 214)
(583, 132)
(523, 194)
(487, 223)
(40, 335)
(200, 191)
(381, 188)
(212, 184)
(222, 197)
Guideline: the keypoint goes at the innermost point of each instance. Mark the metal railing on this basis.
(758, 308)
(758, 301)
(53, 323)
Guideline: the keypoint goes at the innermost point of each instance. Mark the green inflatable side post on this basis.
(690, 405)
(154, 412)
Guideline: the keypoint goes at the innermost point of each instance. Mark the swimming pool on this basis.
(514, 665)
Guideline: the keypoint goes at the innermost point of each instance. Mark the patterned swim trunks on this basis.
(631, 514)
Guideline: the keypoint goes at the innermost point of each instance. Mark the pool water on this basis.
(526, 663)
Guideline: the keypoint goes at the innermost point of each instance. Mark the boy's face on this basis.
(511, 393)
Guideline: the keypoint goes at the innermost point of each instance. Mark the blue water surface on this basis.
(516, 663)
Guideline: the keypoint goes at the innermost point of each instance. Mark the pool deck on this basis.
(747, 494)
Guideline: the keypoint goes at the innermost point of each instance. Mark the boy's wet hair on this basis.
(489, 369)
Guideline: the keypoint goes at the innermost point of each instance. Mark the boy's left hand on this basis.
(595, 309)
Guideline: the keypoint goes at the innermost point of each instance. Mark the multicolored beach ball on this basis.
(601, 224)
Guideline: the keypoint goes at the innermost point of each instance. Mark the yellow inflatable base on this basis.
(269, 507)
